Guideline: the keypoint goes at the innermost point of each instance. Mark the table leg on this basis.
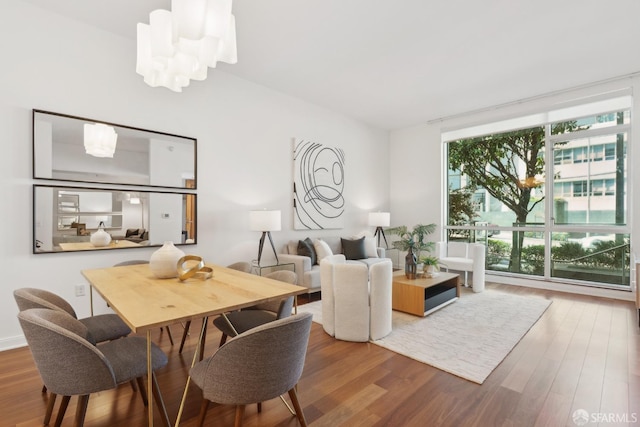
(91, 298)
(193, 363)
(149, 379)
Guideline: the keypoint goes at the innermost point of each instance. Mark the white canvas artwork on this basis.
(318, 186)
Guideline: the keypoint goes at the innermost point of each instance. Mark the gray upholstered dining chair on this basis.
(243, 266)
(102, 327)
(241, 321)
(256, 366)
(70, 364)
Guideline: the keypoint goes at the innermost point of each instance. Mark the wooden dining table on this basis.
(145, 302)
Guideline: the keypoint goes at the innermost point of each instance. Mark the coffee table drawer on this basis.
(437, 295)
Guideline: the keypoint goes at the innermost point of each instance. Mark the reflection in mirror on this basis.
(62, 151)
(65, 218)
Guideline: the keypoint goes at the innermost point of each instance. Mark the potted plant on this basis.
(413, 242)
(431, 264)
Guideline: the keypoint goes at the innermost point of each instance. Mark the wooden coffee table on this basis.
(424, 295)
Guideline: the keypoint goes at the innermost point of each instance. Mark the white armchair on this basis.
(356, 300)
(467, 257)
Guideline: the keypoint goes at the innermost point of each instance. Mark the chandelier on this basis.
(178, 46)
(100, 140)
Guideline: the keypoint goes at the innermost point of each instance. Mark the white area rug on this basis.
(468, 338)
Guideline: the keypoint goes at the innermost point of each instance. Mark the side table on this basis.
(262, 270)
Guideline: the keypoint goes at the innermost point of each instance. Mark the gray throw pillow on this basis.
(305, 248)
(132, 232)
(353, 249)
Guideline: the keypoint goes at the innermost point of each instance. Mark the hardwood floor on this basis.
(584, 353)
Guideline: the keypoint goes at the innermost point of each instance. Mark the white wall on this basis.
(416, 178)
(244, 134)
(417, 174)
(166, 223)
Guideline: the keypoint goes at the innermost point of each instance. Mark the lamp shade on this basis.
(265, 220)
(379, 219)
(100, 140)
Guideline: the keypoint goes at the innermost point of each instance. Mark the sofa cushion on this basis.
(306, 248)
(457, 263)
(353, 249)
(311, 278)
(322, 249)
(457, 250)
(292, 247)
(370, 245)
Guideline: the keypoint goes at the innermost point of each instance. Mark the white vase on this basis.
(100, 238)
(164, 262)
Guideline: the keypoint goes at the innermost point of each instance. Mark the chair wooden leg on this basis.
(259, 407)
(169, 334)
(184, 335)
(50, 403)
(239, 415)
(134, 387)
(223, 339)
(143, 390)
(296, 404)
(159, 401)
(61, 410)
(81, 410)
(203, 412)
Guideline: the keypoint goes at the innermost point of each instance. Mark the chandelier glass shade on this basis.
(178, 46)
(100, 140)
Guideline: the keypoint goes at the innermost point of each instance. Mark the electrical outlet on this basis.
(80, 290)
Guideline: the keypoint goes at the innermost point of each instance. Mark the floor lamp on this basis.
(265, 221)
(379, 220)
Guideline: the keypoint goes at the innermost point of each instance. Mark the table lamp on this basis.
(265, 221)
(379, 220)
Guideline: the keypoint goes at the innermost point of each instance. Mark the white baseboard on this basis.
(561, 287)
(12, 342)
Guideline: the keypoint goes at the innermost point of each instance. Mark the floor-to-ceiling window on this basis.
(546, 193)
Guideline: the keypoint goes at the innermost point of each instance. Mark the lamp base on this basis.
(380, 233)
(261, 245)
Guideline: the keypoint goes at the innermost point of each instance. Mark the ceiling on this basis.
(394, 64)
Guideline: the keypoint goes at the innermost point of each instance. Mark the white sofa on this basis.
(356, 300)
(309, 274)
(466, 257)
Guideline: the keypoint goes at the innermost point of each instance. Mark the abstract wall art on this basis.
(318, 186)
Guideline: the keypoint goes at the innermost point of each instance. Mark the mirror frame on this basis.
(56, 232)
(126, 129)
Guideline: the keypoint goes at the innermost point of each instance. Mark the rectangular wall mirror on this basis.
(68, 148)
(65, 218)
